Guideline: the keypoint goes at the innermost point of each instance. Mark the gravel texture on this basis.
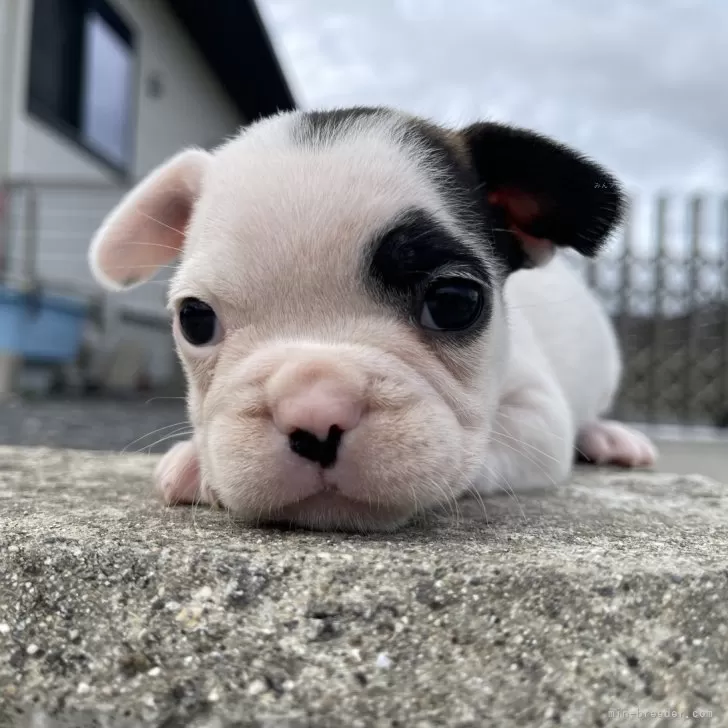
(610, 594)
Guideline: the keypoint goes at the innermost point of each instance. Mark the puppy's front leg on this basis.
(531, 443)
(177, 476)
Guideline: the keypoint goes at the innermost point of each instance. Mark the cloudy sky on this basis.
(641, 85)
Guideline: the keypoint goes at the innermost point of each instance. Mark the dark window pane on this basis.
(55, 63)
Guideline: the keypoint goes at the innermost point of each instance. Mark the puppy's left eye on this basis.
(451, 305)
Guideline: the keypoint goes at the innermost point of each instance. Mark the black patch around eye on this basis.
(415, 249)
(411, 254)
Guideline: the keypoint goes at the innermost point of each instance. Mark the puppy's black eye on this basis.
(198, 322)
(451, 305)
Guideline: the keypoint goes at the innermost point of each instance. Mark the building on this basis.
(93, 95)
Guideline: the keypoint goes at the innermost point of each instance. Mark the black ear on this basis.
(541, 194)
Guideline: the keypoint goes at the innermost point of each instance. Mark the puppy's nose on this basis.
(316, 417)
(318, 451)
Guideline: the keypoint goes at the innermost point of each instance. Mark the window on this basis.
(82, 75)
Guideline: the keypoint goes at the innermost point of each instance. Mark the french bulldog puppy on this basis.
(373, 315)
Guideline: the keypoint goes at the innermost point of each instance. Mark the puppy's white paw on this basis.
(611, 443)
(177, 476)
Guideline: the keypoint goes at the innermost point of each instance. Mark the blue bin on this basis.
(41, 327)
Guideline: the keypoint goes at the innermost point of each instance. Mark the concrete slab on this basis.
(577, 607)
(705, 457)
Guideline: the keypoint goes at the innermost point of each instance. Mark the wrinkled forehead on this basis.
(305, 192)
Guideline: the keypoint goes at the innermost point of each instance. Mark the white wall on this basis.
(193, 109)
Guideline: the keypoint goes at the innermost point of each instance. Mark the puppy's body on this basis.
(368, 318)
(570, 327)
(561, 375)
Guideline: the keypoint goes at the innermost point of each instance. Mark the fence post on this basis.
(691, 351)
(723, 233)
(30, 240)
(625, 289)
(624, 267)
(9, 361)
(657, 350)
(4, 230)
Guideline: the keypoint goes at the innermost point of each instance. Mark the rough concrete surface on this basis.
(561, 608)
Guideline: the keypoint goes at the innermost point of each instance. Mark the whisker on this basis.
(526, 444)
(528, 457)
(450, 499)
(154, 266)
(181, 433)
(479, 498)
(154, 432)
(502, 482)
(536, 425)
(163, 224)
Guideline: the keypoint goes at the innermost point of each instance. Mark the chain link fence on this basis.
(665, 283)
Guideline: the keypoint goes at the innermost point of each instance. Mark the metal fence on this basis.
(45, 228)
(665, 282)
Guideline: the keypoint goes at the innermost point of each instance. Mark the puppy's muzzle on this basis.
(314, 405)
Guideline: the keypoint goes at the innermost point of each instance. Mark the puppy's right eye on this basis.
(198, 322)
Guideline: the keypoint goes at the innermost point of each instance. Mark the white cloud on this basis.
(639, 85)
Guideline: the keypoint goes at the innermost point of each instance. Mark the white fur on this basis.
(274, 234)
(562, 373)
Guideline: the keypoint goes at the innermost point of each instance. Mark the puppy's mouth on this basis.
(327, 494)
(328, 508)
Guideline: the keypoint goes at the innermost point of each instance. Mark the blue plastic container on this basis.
(41, 327)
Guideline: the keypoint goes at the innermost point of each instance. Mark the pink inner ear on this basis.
(146, 240)
(522, 209)
(147, 228)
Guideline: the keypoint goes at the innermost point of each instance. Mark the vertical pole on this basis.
(30, 240)
(658, 382)
(9, 360)
(5, 207)
(723, 407)
(691, 361)
(626, 261)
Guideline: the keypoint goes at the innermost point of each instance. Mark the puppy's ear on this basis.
(541, 194)
(146, 230)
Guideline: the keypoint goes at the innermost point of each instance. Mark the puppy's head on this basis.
(337, 305)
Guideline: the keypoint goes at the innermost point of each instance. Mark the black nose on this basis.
(308, 446)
